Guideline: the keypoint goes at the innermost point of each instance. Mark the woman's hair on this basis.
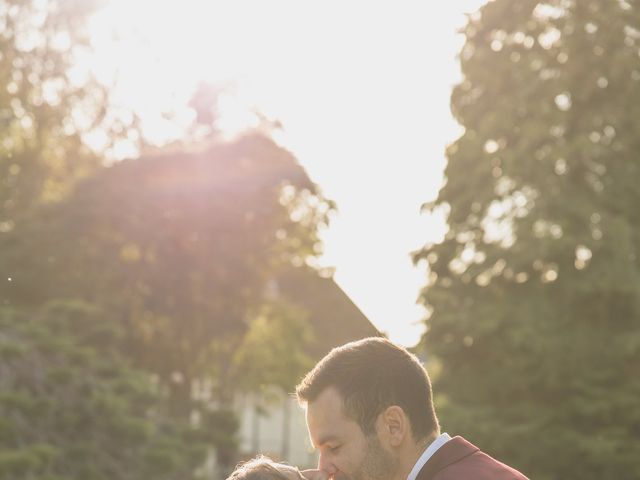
(258, 468)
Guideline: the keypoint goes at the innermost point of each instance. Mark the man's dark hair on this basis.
(371, 375)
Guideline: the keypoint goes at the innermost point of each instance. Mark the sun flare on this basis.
(362, 91)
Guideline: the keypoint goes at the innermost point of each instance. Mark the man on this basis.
(370, 414)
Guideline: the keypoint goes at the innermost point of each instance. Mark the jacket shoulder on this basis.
(459, 459)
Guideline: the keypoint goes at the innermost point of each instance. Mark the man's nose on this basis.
(326, 465)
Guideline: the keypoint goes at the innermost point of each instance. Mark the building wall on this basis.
(276, 427)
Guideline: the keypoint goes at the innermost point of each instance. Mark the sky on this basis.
(362, 92)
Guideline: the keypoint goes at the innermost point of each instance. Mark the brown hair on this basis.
(258, 468)
(370, 375)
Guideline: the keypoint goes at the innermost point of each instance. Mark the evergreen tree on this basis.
(71, 406)
(534, 293)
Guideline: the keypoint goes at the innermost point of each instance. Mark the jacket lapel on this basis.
(451, 452)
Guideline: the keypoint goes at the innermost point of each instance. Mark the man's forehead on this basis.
(328, 404)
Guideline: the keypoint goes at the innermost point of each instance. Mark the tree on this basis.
(47, 108)
(273, 352)
(178, 248)
(534, 292)
(273, 357)
(175, 248)
(72, 407)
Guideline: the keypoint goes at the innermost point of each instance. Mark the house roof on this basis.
(333, 317)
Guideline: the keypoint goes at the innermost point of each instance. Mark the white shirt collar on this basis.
(427, 454)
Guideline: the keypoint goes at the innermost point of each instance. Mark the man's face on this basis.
(346, 453)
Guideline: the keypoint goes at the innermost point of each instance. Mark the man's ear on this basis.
(393, 425)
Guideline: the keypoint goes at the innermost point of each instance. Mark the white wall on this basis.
(265, 433)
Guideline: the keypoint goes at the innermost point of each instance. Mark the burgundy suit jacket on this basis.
(460, 460)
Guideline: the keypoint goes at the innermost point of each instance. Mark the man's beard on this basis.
(377, 464)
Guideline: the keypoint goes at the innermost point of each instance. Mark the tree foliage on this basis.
(72, 407)
(49, 103)
(274, 350)
(177, 248)
(535, 291)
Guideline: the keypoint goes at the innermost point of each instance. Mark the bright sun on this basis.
(362, 89)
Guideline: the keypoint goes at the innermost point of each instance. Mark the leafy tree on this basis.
(175, 248)
(71, 407)
(273, 356)
(273, 351)
(534, 292)
(48, 104)
(178, 248)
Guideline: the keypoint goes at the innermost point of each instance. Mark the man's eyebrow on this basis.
(327, 439)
